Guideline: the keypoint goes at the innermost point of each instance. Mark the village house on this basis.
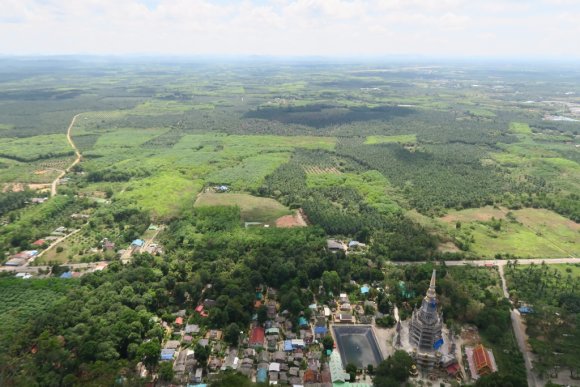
(344, 318)
(192, 329)
(257, 337)
(334, 245)
(214, 334)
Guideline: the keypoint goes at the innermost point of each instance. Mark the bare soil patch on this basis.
(448, 247)
(18, 187)
(294, 220)
(321, 170)
(476, 214)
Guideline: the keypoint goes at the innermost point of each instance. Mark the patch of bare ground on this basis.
(18, 187)
(294, 220)
(448, 247)
(320, 170)
(477, 214)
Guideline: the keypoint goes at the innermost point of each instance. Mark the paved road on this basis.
(36, 269)
(77, 159)
(520, 333)
(52, 245)
(498, 262)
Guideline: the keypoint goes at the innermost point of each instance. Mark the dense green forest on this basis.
(553, 293)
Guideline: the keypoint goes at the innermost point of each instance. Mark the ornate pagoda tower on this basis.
(425, 328)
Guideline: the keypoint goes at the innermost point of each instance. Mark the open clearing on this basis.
(295, 220)
(253, 208)
(401, 139)
(165, 195)
(532, 232)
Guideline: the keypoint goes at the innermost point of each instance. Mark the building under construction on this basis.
(425, 329)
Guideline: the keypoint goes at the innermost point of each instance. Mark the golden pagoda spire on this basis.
(431, 294)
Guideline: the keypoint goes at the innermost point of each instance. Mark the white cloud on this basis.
(287, 27)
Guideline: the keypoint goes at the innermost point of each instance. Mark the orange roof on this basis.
(257, 304)
(257, 336)
(310, 376)
(481, 360)
(179, 320)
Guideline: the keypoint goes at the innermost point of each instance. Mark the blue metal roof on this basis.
(68, 274)
(302, 321)
(320, 330)
(262, 375)
(167, 354)
(138, 242)
(364, 289)
(288, 345)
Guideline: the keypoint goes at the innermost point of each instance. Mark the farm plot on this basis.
(253, 208)
(164, 195)
(320, 170)
(250, 173)
(35, 148)
(528, 232)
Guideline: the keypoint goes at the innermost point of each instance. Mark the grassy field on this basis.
(250, 173)
(164, 195)
(253, 208)
(372, 185)
(527, 232)
(401, 139)
(520, 128)
(33, 148)
(565, 269)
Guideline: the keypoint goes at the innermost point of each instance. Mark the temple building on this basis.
(481, 361)
(425, 329)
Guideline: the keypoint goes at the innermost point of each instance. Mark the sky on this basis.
(547, 29)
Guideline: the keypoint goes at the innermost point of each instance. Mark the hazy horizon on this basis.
(421, 29)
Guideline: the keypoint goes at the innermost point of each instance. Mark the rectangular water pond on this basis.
(357, 345)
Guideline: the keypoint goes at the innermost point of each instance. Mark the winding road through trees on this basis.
(75, 162)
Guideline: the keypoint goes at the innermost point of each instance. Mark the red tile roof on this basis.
(452, 369)
(257, 336)
(482, 360)
(39, 242)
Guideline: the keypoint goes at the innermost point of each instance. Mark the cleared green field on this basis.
(481, 113)
(37, 147)
(253, 208)
(528, 232)
(257, 143)
(513, 239)
(165, 194)
(474, 214)
(520, 128)
(126, 138)
(250, 173)
(568, 269)
(372, 185)
(401, 139)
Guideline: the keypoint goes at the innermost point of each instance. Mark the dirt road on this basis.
(75, 162)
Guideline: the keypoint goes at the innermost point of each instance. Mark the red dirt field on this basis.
(287, 221)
